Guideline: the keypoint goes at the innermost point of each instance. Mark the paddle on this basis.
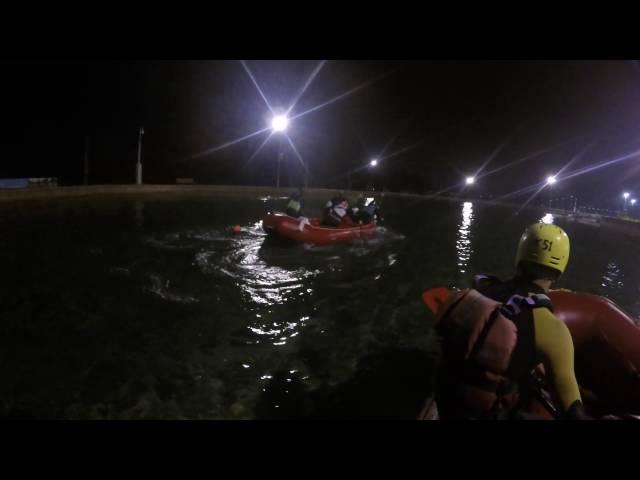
(535, 386)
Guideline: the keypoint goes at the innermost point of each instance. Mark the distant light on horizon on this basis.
(548, 219)
(373, 162)
(279, 123)
(551, 179)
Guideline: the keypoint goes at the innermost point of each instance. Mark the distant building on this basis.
(185, 181)
(11, 183)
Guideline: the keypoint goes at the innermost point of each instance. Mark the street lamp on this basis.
(86, 160)
(551, 180)
(139, 164)
(633, 202)
(279, 124)
(470, 180)
(626, 197)
(372, 164)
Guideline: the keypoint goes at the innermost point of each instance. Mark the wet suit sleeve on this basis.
(554, 342)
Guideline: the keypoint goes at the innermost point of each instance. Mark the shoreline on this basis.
(34, 194)
(57, 192)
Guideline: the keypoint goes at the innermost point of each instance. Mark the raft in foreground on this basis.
(607, 353)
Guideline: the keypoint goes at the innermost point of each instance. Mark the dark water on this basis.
(127, 308)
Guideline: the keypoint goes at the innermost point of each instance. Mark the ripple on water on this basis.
(161, 288)
(264, 284)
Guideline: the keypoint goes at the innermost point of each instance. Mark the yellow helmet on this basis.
(544, 244)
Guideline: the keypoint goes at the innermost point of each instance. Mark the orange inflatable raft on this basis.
(309, 230)
(607, 351)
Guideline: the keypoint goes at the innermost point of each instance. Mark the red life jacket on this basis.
(480, 341)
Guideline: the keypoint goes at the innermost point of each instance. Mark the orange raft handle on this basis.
(434, 298)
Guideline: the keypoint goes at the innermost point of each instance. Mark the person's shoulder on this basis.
(486, 282)
(550, 319)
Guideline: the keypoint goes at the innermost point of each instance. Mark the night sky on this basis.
(453, 115)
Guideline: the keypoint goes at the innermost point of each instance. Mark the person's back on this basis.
(497, 332)
(363, 210)
(294, 205)
(326, 213)
(336, 213)
(368, 212)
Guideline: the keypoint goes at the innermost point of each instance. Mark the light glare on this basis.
(279, 123)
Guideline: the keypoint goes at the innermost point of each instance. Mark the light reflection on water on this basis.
(264, 283)
(265, 280)
(183, 319)
(613, 277)
(463, 240)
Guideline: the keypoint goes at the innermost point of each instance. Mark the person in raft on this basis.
(495, 334)
(294, 205)
(336, 213)
(366, 211)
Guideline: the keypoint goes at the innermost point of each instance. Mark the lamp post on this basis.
(279, 124)
(139, 164)
(373, 163)
(551, 180)
(86, 161)
(625, 195)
